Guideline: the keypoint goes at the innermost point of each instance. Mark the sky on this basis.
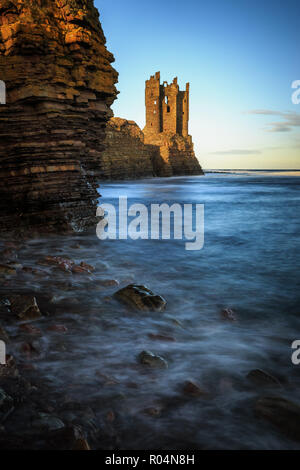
(240, 57)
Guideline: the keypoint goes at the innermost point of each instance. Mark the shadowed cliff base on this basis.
(60, 86)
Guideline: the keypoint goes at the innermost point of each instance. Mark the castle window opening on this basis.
(168, 109)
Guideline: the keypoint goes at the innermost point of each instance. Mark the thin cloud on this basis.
(266, 112)
(290, 120)
(236, 152)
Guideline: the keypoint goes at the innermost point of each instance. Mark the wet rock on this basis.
(159, 337)
(66, 265)
(106, 380)
(46, 422)
(15, 265)
(6, 270)
(3, 335)
(87, 266)
(9, 254)
(9, 369)
(110, 416)
(13, 245)
(58, 328)
(153, 411)
(141, 298)
(108, 283)
(81, 444)
(67, 438)
(77, 269)
(149, 359)
(192, 389)
(30, 329)
(17, 387)
(25, 307)
(260, 377)
(228, 314)
(6, 401)
(55, 260)
(176, 322)
(282, 413)
(76, 246)
(29, 349)
(33, 271)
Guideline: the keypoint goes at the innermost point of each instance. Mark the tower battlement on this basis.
(167, 107)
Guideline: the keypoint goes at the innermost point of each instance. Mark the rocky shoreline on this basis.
(37, 413)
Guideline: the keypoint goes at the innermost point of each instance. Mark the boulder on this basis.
(159, 337)
(141, 298)
(192, 389)
(6, 270)
(47, 422)
(152, 360)
(228, 314)
(260, 377)
(25, 307)
(282, 413)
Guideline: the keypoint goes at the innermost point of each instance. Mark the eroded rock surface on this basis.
(60, 86)
(282, 413)
(148, 358)
(131, 154)
(141, 298)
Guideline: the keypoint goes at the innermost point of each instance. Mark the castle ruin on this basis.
(167, 107)
(163, 148)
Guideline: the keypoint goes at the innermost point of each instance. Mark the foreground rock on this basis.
(141, 298)
(282, 413)
(228, 314)
(192, 389)
(25, 307)
(260, 377)
(6, 270)
(154, 361)
(60, 86)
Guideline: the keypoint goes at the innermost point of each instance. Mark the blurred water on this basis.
(250, 262)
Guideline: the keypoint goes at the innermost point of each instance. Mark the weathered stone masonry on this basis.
(167, 108)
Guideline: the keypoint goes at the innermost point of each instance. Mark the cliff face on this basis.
(126, 156)
(175, 156)
(131, 154)
(60, 86)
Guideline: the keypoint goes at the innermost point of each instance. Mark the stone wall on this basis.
(60, 86)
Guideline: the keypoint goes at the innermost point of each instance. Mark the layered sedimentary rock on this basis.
(175, 155)
(126, 156)
(129, 156)
(60, 86)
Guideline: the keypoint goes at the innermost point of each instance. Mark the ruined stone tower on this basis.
(164, 148)
(167, 108)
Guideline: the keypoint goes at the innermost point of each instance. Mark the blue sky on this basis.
(240, 57)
